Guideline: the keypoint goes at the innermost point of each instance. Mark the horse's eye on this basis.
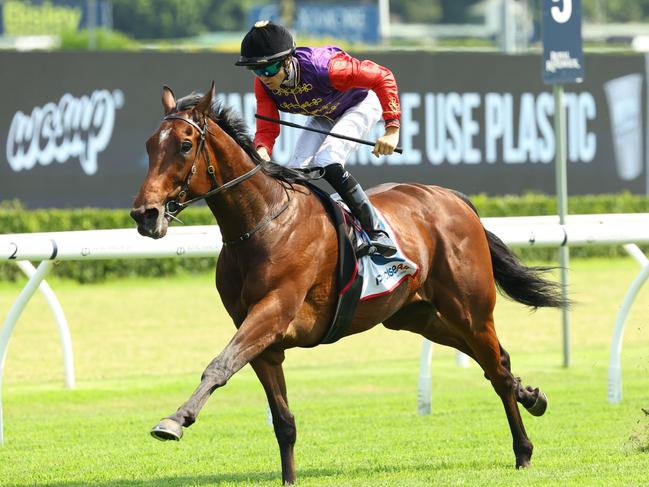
(186, 146)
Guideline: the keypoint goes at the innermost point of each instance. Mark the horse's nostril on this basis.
(137, 215)
(141, 215)
(151, 214)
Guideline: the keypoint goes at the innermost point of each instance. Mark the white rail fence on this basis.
(205, 241)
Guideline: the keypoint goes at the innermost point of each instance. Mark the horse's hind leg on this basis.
(268, 367)
(486, 348)
(476, 338)
(532, 399)
(421, 318)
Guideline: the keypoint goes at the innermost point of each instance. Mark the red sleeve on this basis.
(266, 132)
(346, 72)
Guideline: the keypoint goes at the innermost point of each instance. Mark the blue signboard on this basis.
(264, 12)
(355, 23)
(563, 58)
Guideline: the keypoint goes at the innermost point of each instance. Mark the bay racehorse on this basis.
(272, 224)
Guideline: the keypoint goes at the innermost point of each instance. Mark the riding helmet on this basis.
(265, 44)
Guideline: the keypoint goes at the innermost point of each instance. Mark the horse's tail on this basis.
(521, 283)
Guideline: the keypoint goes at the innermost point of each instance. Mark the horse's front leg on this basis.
(266, 324)
(268, 367)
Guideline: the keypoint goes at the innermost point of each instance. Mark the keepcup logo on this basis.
(74, 128)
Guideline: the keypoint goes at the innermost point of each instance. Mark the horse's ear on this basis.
(168, 99)
(204, 105)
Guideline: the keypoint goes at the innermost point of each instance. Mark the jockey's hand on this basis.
(263, 153)
(386, 144)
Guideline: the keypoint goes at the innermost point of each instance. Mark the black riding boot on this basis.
(359, 204)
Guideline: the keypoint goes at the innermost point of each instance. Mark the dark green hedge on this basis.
(15, 219)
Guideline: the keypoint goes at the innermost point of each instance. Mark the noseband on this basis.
(174, 206)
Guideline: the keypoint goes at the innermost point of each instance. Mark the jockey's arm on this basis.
(266, 132)
(347, 72)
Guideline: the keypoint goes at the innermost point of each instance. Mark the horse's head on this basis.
(178, 156)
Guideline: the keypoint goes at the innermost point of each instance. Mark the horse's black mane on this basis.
(235, 127)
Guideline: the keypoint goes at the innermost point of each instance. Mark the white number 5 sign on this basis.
(562, 15)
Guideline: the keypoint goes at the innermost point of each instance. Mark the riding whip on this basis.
(398, 150)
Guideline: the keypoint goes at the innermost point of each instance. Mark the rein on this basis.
(175, 206)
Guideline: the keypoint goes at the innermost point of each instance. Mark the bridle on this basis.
(175, 206)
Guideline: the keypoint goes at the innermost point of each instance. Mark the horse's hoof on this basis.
(539, 407)
(167, 429)
(523, 463)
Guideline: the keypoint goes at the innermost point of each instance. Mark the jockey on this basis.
(340, 94)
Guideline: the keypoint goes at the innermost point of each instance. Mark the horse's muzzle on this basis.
(150, 221)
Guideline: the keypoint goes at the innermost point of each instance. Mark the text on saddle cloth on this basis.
(381, 275)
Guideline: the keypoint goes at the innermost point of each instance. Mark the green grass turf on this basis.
(140, 347)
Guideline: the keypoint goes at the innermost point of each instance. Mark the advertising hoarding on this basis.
(73, 125)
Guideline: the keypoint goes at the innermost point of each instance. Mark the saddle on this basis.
(360, 274)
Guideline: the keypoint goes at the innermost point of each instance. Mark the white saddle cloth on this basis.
(381, 275)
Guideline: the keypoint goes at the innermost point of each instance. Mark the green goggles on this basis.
(270, 70)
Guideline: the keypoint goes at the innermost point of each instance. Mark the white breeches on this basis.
(318, 150)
